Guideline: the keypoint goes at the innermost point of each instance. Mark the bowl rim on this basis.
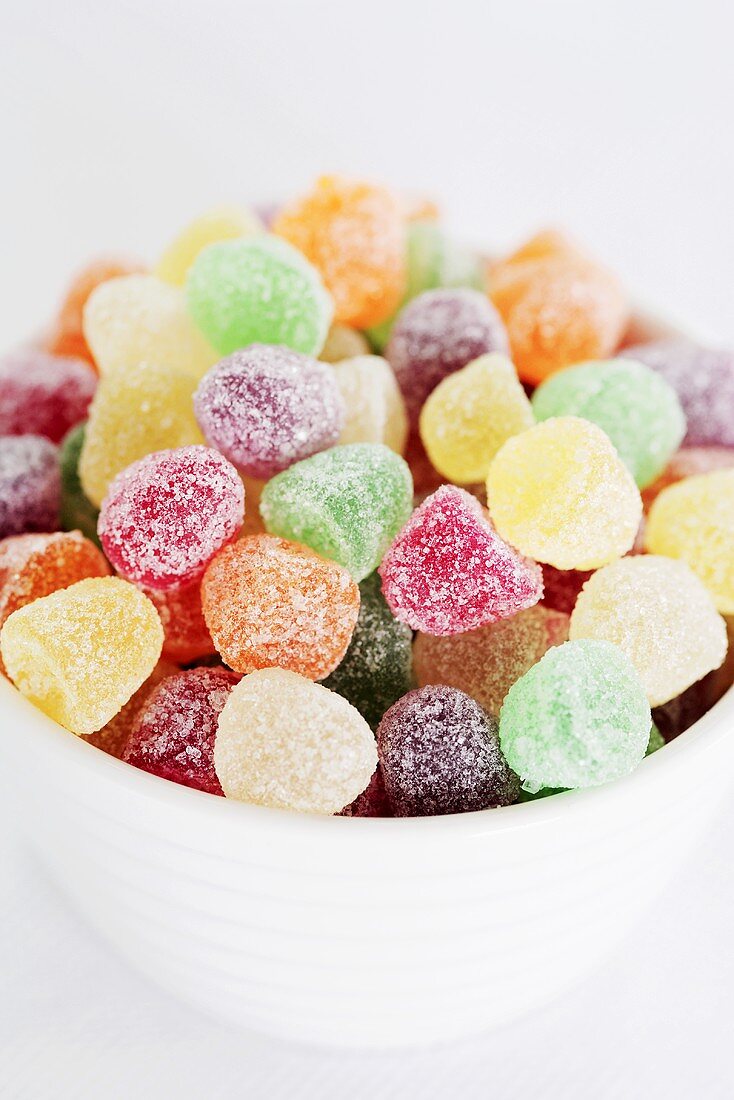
(16, 710)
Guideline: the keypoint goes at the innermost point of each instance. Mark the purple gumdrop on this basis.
(30, 485)
(703, 378)
(174, 733)
(266, 407)
(440, 754)
(439, 332)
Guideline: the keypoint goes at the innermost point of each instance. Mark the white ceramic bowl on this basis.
(358, 931)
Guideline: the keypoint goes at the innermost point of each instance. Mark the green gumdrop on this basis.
(431, 262)
(578, 718)
(634, 405)
(377, 668)
(347, 504)
(258, 290)
(77, 511)
(656, 740)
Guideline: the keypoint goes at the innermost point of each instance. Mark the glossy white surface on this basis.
(367, 932)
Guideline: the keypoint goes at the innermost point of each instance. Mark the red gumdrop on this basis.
(561, 587)
(166, 516)
(174, 732)
(42, 394)
(186, 637)
(372, 802)
(448, 571)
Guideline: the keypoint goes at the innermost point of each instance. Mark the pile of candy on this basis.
(334, 516)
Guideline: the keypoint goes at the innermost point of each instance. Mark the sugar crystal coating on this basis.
(469, 415)
(343, 342)
(42, 394)
(222, 223)
(347, 503)
(688, 462)
(353, 233)
(560, 493)
(80, 653)
(703, 378)
(186, 636)
(67, 335)
(173, 735)
(636, 408)
(448, 570)
(30, 485)
(135, 412)
(439, 332)
(269, 602)
(140, 319)
(659, 613)
(288, 743)
(558, 310)
(577, 718)
(258, 290)
(375, 410)
(440, 754)
(77, 510)
(376, 669)
(267, 407)
(485, 663)
(166, 516)
(694, 521)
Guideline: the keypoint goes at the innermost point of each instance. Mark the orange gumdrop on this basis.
(558, 309)
(32, 566)
(354, 233)
(273, 603)
(67, 336)
(548, 242)
(185, 634)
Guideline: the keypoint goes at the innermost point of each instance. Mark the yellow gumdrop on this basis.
(374, 403)
(660, 614)
(343, 342)
(140, 319)
(694, 520)
(135, 412)
(82, 652)
(223, 223)
(560, 493)
(470, 415)
(286, 742)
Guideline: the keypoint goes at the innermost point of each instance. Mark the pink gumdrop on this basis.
(42, 394)
(448, 571)
(167, 515)
(439, 332)
(266, 407)
(174, 732)
(30, 485)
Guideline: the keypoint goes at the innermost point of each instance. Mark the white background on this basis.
(118, 122)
